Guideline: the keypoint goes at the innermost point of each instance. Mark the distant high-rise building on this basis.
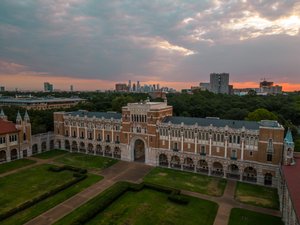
(48, 87)
(71, 88)
(138, 86)
(121, 87)
(157, 86)
(129, 86)
(2, 88)
(133, 87)
(219, 83)
(204, 86)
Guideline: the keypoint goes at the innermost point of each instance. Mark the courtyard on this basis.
(207, 195)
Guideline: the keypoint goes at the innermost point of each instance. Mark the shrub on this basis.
(55, 169)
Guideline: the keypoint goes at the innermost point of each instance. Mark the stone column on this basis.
(195, 144)
(70, 131)
(85, 133)
(210, 145)
(226, 146)
(103, 138)
(77, 132)
(181, 142)
(112, 134)
(242, 150)
(169, 139)
(94, 138)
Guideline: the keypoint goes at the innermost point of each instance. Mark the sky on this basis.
(93, 44)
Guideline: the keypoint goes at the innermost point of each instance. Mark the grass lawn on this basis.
(257, 195)
(246, 217)
(39, 208)
(5, 167)
(187, 181)
(50, 154)
(148, 207)
(17, 188)
(86, 161)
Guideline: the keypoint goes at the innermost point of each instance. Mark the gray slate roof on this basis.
(236, 124)
(106, 115)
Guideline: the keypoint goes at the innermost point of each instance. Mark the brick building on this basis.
(147, 132)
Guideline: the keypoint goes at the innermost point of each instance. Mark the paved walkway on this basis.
(227, 202)
(133, 172)
(121, 171)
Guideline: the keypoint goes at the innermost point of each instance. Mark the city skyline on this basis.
(178, 44)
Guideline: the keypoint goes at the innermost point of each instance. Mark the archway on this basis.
(58, 144)
(139, 150)
(44, 146)
(82, 147)
(99, 150)
(67, 145)
(13, 154)
(51, 144)
(74, 146)
(107, 151)
(117, 153)
(268, 179)
(202, 166)
(35, 149)
(175, 162)
(163, 160)
(233, 171)
(217, 169)
(90, 148)
(2, 156)
(250, 174)
(188, 164)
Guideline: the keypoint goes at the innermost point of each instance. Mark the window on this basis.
(2, 140)
(13, 138)
(269, 157)
(251, 153)
(107, 138)
(24, 137)
(233, 154)
(202, 150)
(175, 146)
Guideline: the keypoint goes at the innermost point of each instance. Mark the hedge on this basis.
(35, 200)
(102, 201)
(66, 167)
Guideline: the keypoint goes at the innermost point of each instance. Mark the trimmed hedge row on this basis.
(66, 167)
(35, 200)
(103, 200)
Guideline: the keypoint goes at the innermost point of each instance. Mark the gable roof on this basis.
(7, 127)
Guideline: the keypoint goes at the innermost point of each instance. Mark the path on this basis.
(121, 171)
(37, 162)
(133, 172)
(227, 202)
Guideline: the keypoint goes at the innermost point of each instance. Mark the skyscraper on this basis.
(129, 86)
(48, 87)
(71, 88)
(138, 86)
(219, 83)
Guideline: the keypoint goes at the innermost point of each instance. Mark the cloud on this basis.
(163, 40)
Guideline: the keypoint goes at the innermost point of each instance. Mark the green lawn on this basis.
(257, 195)
(187, 181)
(148, 207)
(28, 214)
(246, 217)
(6, 167)
(20, 187)
(86, 161)
(50, 154)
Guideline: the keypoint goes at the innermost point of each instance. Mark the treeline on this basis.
(284, 108)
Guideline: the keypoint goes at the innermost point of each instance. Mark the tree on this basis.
(261, 114)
